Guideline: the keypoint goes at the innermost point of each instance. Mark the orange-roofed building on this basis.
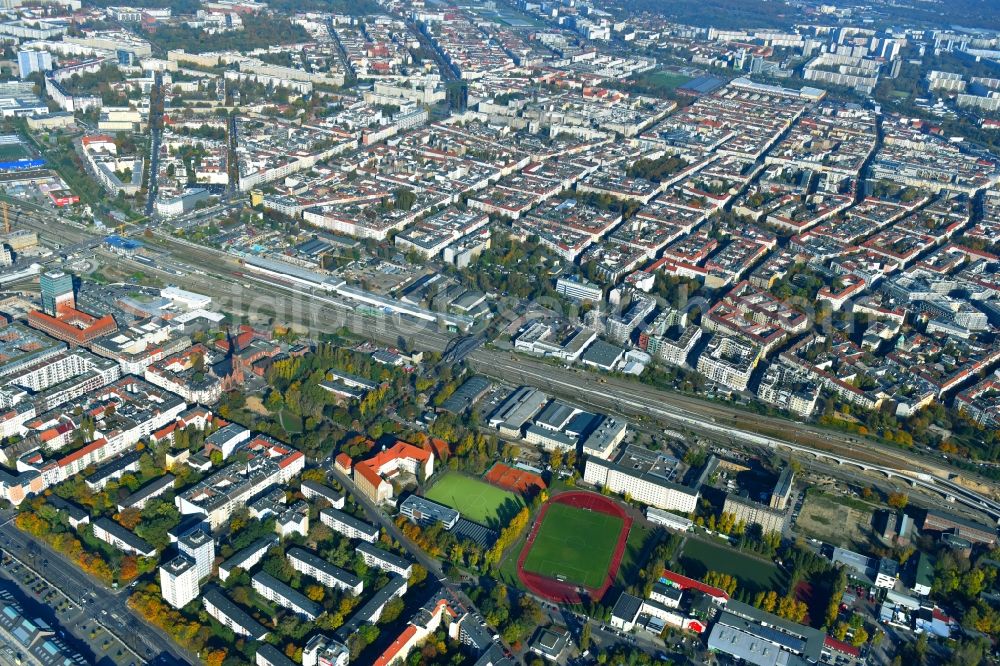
(374, 476)
(424, 623)
(344, 463)
(72, 326)
(440, 447)
(101, 142)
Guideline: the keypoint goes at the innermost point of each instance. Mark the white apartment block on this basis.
(645, 476)
(200, 547)
(729, 362)
(579, 290)
(323, 651)
(274, 590)
(230, 615)
(384, 560)
(124, 540)
(179, 581)
(327, 574)
(348, 525)
(249, 557)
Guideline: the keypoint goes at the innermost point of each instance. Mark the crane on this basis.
(6, 219)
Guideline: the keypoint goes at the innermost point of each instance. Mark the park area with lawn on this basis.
(574, 545)
(290, 422)
(476, 500)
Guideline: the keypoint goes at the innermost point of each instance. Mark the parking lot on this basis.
(86, 634)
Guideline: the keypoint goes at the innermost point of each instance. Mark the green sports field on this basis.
(574, 545)
(10, 152)
(754, 574)
(476, 500)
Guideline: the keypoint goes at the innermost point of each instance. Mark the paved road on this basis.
(146, 640)
(432, 565)
(155, 132)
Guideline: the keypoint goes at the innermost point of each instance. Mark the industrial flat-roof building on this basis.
(466, 395)
(764, 639)
(602, 355)
(669, 520)
(509, 418)
(939, 521)
(549, 440)
(626, 611)
(34, 636)
(555, 416)
(601, 441)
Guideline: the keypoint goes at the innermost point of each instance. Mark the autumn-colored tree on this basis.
(840, 631)
(898, 500)
(315, 474)
(128, 569)
(32, 524)
(792, 609)
(129, 518)
(315, 592)
(508, 536)
(723, 581)
(766, 601)
(418, 575)
(215, 657)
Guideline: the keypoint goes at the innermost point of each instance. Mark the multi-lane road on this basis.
(94, 600)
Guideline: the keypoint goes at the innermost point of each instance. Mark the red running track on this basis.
(563, 592)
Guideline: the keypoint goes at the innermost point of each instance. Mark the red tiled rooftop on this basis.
(686, 583)
(79, 453)
(392, 652)
(841, 646)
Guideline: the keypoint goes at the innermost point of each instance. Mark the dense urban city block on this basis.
(499, 333)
